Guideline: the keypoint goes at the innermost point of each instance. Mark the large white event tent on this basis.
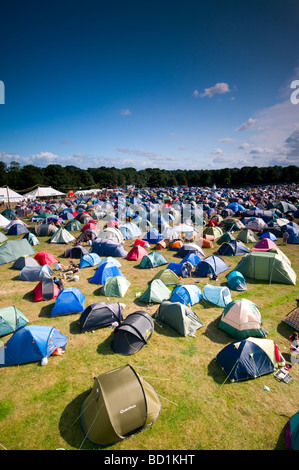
(40, 191)
(8, 195)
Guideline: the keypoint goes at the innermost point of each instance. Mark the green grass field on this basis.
(39, 405)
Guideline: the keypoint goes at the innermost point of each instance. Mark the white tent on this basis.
(8, 194)
(43, 192)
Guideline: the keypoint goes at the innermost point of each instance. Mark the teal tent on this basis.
(11, 319)
(11, 250)
(152, 260)
(156, 292)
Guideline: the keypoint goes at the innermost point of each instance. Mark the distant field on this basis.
(39, 406)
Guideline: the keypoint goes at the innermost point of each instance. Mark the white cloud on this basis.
(216, 151)
(246, 125)
(196, 93)
(245, 145)
(125, 112)
(226, 139)
(218, 88)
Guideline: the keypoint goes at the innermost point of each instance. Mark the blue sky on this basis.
(186, 85)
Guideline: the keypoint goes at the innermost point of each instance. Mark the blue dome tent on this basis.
(187, 294)
(211, 265)
(32, 343)
(69, 300)
(233, 248)
(105, 271)
(88, 260)
(106, 247)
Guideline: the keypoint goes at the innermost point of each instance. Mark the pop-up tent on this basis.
(11, 250)
(156, 292)
(236, 281)
(179, 316)
(120, 404)
(100, 315)
(186, 294)
(46, 289)
(266, 266)
(292, 432)
(32, 343)
(133, 333)
(217, 295)
(242, 319)
(69, 300)
(249, 358)
(11, 319)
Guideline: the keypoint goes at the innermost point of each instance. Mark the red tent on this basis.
(45, 291)
(136, 253)
(43, 257)
(139, 242)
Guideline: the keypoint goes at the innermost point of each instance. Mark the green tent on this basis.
(266, 266)
(11, 250)
(226, 237)
(168, 277)
(152, 260)
(11, 319)
(178, 316)
(116, 286)
(73, 226)
(242, 319)
(247, 236)
(217, 232)
(120, 404)
(156, 292)
(62, 236)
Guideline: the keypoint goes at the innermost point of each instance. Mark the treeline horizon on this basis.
(69, 177)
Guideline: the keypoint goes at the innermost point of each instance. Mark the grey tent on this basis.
(13, 249)
(120, 404)
(23, 261)
(133, 333)
(35, 273)
(156, 292)
(178, 316)
(62, 236)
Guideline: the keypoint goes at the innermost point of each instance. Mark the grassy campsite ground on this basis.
(40, 405)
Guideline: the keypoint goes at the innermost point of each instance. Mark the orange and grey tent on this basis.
(120, 404)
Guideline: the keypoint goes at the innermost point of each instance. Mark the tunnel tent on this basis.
(133, 333)
(89, 260)
(120, 404)
(217, 295)
(11, 319)
(178, 316)
(100, 315)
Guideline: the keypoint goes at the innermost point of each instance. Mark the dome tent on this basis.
(178, 316)
(133, 333)
(105, 247)
(35, 273)
(218, 295)
(69, 300)
(232, 248)
(23, 261)
(249, 359)
(210, 265)
(247, 236)
(11, 250)
(137, 253)
(44, 257)
(100, 315)
(104, 271)
(156, 292)
(152, 260)
(62, 236)
(102, 415)
(242, 319)
(75, 252)
(153, 236)
(186, 294)
(32, 343)
(236, 281)
(168, 277)
(116, 286)
(88, 260)
(11, 319)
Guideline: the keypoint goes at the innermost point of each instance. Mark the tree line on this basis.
(64, 178)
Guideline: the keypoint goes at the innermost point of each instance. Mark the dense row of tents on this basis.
(152, 231)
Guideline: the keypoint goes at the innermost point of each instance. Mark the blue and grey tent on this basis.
(31, 343)
(236, 281)
(233, 248)
(106, 247)
(35, 273)
(217, 295)
(69, 300)
(153, 236)
(130, 230)
(210, 265)
(186, 294)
